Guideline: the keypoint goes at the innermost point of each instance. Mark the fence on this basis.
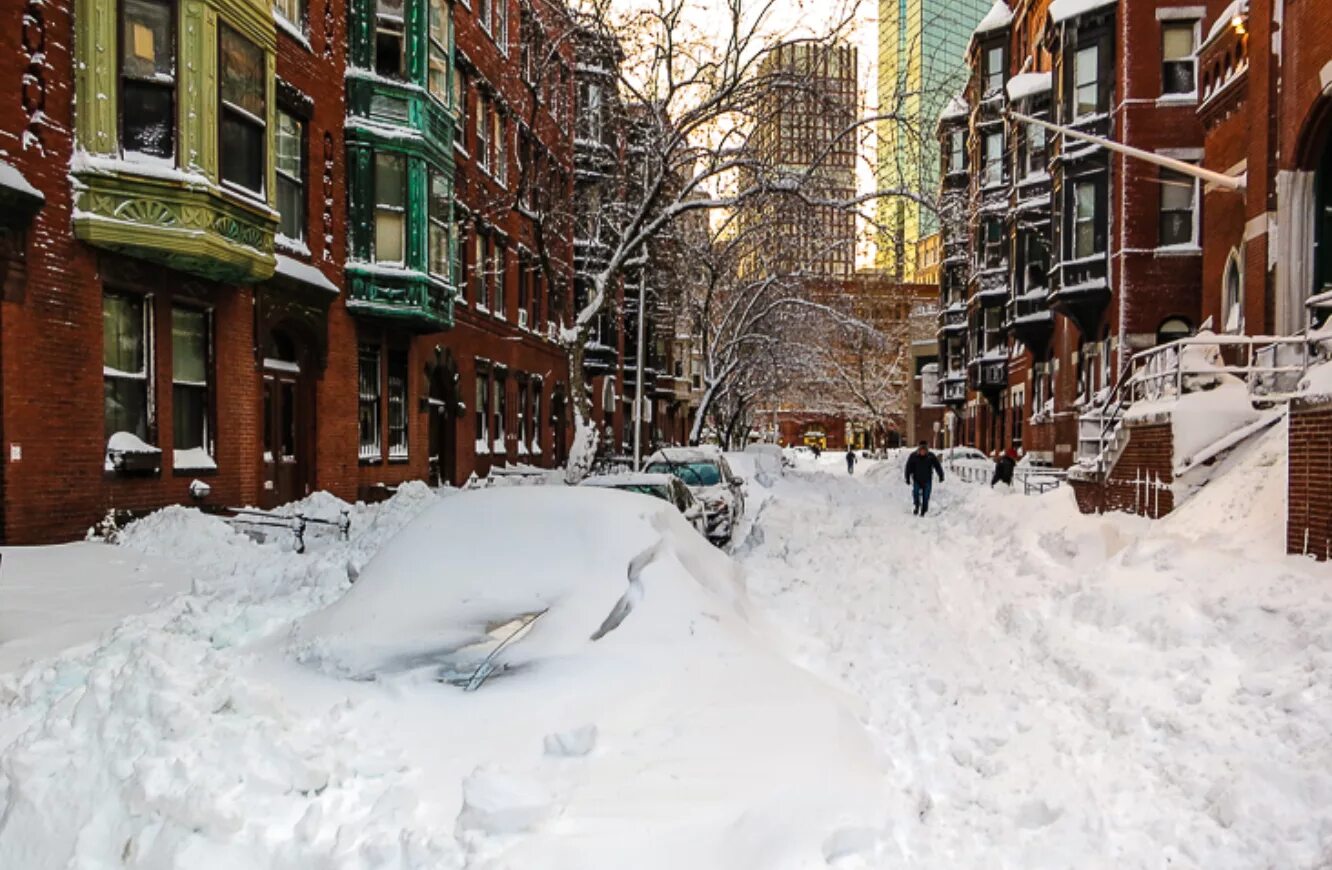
(1033, 480)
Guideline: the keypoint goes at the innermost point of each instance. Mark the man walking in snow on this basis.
(1003, 468)
(921, 465)
(850, 460)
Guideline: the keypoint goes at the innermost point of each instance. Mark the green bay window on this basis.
(438, 79)
(148, 79)
(390, 208)
(439, 209)
(290, 158)
(126, 364)
(242, 87)
(189, 381)
(390, 39)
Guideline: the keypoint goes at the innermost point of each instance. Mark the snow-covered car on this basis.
(705, 471)
(953, 454)
(666, 487)
(769, 458)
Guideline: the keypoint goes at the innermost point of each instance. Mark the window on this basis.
(522, 416)
(994, 159)
(483, 13)
(126, 364)
(438, 211)
(524, 288)
(501, 412)
(1084, 220)
(500, 164)
(993, 236)
(1234, 288)
(1177, 199)
(439, 50)
(957, 153)
(1035, 162)
(390, 207)
(589, 113)
(501, 26)
(397, 405)
(242, 86)
(189, 379)
(1173, 329)
(292, 10)
(290, 146)
(461, 99)
(480, 265)
(499, 273)
(460, 272)
(1086, 84)
(148, 79)
(389, 42)
(483, 411)
(483, 132)
(368, 402)
(994, 69)
(1179, 57)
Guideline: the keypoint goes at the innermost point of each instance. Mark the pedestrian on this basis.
(1003, 468)
(850, 460)
(921, 465)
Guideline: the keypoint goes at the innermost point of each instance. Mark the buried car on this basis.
(615, 674)
(705, 471)
(666, 487)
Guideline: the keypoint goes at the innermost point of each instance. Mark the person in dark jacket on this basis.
(1003, 468)
(850, 460)
(921, 465)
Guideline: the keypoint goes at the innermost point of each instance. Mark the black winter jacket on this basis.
(1003, 471)
(918, 468)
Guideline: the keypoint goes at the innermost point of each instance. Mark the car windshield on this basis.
(646, 489)
(692, 473)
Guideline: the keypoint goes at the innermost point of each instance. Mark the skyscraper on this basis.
(922, 64)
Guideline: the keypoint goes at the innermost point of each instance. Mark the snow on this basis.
(1062, 10)
(1005, 683)
(304, 272)
(193, 459)
(628, 479)
(14, 180)
(999, 17)
(1028, 84)
(957, 108)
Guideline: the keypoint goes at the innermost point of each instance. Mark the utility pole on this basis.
(638, 371)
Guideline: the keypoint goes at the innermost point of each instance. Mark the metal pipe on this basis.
(638, 368)
(1225, 182)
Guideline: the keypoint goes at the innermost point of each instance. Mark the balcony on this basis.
(1083, 292)
(988, 374)
(953, 388)
(1030, 320)
(953, 320)
(405, 297)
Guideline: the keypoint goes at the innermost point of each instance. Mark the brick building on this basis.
(1061, 259)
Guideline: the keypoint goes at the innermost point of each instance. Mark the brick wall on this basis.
(1309, 478)
(1140, 482)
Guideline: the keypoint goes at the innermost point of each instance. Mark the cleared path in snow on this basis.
(1051, 690)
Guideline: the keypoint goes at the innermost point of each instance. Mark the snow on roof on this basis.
(304, 273)
(1062, 10)
(615, 481)
(1236, 7)
(1027, 84)
(14, 180)
(957, 108)
(999, 16)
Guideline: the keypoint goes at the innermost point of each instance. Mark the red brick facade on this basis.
(1140, 482)
(1309, 479)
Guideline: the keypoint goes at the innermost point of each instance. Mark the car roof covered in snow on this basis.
(703, 453)
(618, 480)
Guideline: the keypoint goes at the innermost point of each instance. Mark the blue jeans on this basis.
(920, 494)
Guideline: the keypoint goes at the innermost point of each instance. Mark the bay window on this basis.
(397, 405)
(368, 402)
(1086, 82)
(390, 208)
(957, 155)
(126, 364)
(1035, 159)
(290, 158)
(994, 69)
(994, 159)
(189, 383)
(148, 79)
(242, 86)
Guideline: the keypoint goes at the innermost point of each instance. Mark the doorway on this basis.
(442, 376)
(288, 421)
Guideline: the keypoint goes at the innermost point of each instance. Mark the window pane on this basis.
(390, 216)
(291, 208)
(147, 47)
(368, 403)
(397, 404)
(288, 142)
(189, 346)
(122, 334)
(126, 406)
(390, 180)
(1176, 191)
(148, 123)
(1177, 41)
(189, 411)
(1085, 66)
(291, 10)
(242, 158)
(241, 73)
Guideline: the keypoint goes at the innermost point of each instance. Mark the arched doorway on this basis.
(1323, 222)
(445, 404)
(288, 421)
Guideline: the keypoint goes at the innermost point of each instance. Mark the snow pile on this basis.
(1056, 690)
(1029, 84)
(1062, 10)
(999, 17)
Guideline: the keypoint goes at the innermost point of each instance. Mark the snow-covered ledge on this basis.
(127, 452)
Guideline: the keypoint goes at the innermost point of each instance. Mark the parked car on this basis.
(666, 487)
(952, 454)
(705, 471)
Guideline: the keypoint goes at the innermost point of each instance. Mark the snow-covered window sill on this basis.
(1189, 99)
(292, 29)
(482, 448)
(192, 462)
(1179, 251)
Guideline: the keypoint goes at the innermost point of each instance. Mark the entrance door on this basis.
(444, 424)
(288, 426)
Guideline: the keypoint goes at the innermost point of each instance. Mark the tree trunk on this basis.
(584, 448)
